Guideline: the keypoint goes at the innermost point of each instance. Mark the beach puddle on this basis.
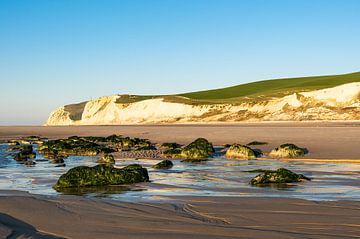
(215, 177)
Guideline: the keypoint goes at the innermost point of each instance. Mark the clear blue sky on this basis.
(58, 52)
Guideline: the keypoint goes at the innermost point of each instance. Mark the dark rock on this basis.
(165, 164)
(107, 159)
(58, 160)
(26, 152)
(29, 162)
(281, 175)
(100, 175)
(257, 143)
(288, 151)
(172, 153)
(60, 165)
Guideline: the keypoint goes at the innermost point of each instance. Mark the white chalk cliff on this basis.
(337, 103)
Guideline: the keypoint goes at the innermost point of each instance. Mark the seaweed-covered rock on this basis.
(239, 151)
(172, 153)
(199, 149)
(58, 159)
(281, 175)
(288, 151)
(25, 152)
(101, 175)
(73, 146)
(106, 158)
(165, 164)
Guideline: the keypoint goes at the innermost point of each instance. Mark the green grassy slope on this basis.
(255, 91)
(272, 88)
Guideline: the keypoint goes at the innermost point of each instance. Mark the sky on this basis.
(57, 52)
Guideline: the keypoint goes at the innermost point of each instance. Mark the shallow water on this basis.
(216, 177)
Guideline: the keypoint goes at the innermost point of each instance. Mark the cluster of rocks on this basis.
(106, 174)
(24, 154)
(147, 154)
(238, 151)
(27, 140)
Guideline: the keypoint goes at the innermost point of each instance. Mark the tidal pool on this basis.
(216, 177)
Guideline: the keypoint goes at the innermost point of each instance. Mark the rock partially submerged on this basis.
(172, 153)
(107, 159)
(165, 164)
(196, 150)
(239, 151)
(288, 151)
(199, 149)
(279, 176)
(101, 175)
(25, 152)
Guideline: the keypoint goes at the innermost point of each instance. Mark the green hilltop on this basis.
(250, 92)
(272, 88)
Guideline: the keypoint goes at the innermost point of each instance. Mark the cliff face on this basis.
(337, 103)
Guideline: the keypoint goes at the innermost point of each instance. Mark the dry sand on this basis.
(324, 140)
(184, 217)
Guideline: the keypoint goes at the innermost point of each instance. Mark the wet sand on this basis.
(324, 140)
(181, 217)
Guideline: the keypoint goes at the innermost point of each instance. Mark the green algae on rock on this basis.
(239, 151)
(199, 149)
(107, 159)
(165, 164)
(101, 175)
(288, 151)
(73, 146)
(172, 153)
(280, 175)
(25, 152)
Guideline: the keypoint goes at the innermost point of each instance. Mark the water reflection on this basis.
(216, 177)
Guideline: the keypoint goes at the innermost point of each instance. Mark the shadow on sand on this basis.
(12, 228)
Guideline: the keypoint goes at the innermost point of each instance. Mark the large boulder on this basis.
(107, 159)
(239, 151)
(199, 149)
(288, 151)
(165, 164)
(281, 175)
(101, 175)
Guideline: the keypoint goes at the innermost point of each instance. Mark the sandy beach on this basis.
(29, 216)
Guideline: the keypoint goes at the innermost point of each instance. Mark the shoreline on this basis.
(178, 217)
